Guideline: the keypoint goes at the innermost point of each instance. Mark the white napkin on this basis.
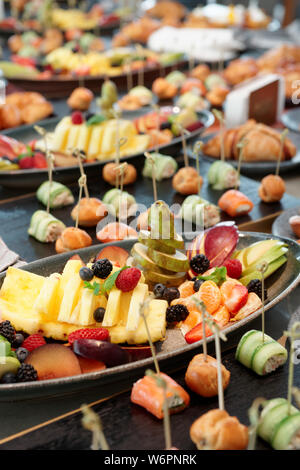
(9, 257)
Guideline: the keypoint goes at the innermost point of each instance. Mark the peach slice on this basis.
(53, 361)
(115, 254)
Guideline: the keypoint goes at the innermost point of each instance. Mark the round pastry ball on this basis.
(202, 376)
(80, 99)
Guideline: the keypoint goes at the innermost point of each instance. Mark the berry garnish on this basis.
(128, 279)
(197, 284)
(256, 286)
(86, 274)
(176, 313)
(33, 342)
(234, 268)
(39, 160)
(102, 268)
(158, 291)
(9, 378)
(21, 354)
(26, 163)
(18, 340)
(171, 293)
(199, 264)
(77, 117)
(8, 331)
(26, 373)
(99, 314)
(101, 334)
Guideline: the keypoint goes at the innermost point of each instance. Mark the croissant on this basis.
(239, 70)
(110, 176)
(263, 143)
(72, 238)
(36, 112)
(217, 430)
(185, 181)
(10, 116)
(91, 211)
(271, 189)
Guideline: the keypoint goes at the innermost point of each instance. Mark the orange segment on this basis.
(222, 316)
(186, 289)
(192, 319)
(226, 289)
(210, 294)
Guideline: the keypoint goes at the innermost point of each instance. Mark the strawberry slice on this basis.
(196, 333)
(26, 163)
(234, 296)
(39, 160)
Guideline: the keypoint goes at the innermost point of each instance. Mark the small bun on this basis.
(72, 238)
(272, 188)
(185, 181)
(109, 174)
(91, 211)
(202, 376)
(80, 99)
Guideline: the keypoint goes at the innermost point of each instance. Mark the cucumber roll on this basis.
(44, 227)
(60, 195)
(263, 357)
(120, 203)
(165, 167)
(222, 175)
(278, 427)
(199, 211)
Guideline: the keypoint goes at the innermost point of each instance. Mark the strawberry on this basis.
(101, 334)
(128, 279)
(26, 163)
(33, 342)
(234, 268)
(235, 296)
(77, 117)
(39, 160)
(196, 333)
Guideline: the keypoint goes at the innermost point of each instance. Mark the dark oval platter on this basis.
(281, 226)
(279, 285)
(32, 178)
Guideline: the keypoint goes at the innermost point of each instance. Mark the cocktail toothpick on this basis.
(184, 132)
(262, 268)
(156, 109)
(152, 161)
(121, 171)
(254, 418)
(279, 159)
(50, 160)
(240, 146)
(197, 149)
(92, 422)
(293, 334)
(43, 133)
(220, 118)
(82, 184)
(201, 306)
(80, 157)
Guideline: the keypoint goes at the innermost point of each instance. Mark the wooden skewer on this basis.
(262, 268)
(92, 422)
(82, 184)
(50, 159)
(201, 306)
(197, 149)
(152, 161)
(121, 170)
(184, 133)
(282, 140)
(240, 146)
(254, 418)
(220, 118)
(81, 156)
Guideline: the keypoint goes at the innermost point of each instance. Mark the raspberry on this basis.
(26, 163)
(39, 160)
(234, 268)
(33, 342)
(128, 279)
(101, 334)
(77, 117)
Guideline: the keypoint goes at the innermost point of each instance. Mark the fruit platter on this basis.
(75, 319)
(76, 131)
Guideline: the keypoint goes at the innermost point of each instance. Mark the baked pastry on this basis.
(202, 376)
(186, 181)
(91, 211)
(271, 189)
(72, 238)
(10, 116)
(36, 112)
(201, 72)
(80, 99)
(217, 430)
(240, 70)
(167, 9)
(164, 89)
(109, 174)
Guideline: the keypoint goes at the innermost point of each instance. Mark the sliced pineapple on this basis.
(138, 296)
(46, 302)
(112, 312)
(70, 299)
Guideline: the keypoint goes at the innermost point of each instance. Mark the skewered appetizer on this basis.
(146, 393)
(260, 353)
(165, 166)
(58, 194)
(110, 174)
(222, 175)
(272, 188)
(187, 181)
(217, 430)
(45, 227)
(116, 231)
(23, 108)
(263, 144)
(202, 378)
(72, 238)
(80, 99)
(91, 211)
(235, 203)
(120, 203)
(199, 211)
(136, 98)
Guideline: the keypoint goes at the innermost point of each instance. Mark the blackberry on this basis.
(8, 378)
(199, 264)
(86, 274)
(171, 293)
(158, 291)
(176, 313)
(197, 284)
(7, 330)
(26, 373)
(102, 268)
(18, 340)
(256, 286)
(99, 314)
(21, 354)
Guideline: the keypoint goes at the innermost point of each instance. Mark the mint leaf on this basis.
(95, 287)
(111, 280)
(96, 119)
(218, 276)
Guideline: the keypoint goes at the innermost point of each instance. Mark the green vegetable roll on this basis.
(44, 227)
(222, 175)
(120, 203)
(165, 167)
(60, 195)
(196, 210)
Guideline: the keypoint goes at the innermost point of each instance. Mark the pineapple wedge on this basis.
(70, 299)
(112, 312)
(46, 302)
(138, 296)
